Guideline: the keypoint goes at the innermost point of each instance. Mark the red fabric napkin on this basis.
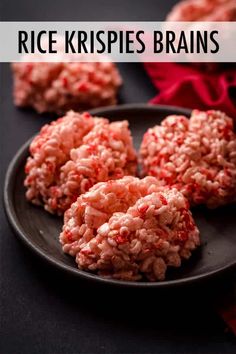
(188, 86)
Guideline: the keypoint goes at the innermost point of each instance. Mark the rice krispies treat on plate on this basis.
(129, 229)
(73, 153)
(59, 87)
(196, 155)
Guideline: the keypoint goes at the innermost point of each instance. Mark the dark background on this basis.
(42, 310)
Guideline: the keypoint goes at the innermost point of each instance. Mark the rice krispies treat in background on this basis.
(129, 229)
(59, 87)
(203, 10)
(196, 155)
(73, 153)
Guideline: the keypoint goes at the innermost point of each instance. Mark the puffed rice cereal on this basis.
(129, 229)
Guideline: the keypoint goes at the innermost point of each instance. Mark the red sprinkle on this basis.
(187, 219)
(64, 82)
(182, 235)
(86, 252)
(143, 208)
(163, 199)
(27, 169)
(69, 236)
(87, 115)
(120, 239)
(83, 87)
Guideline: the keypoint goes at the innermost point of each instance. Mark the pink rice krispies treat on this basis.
(72, 154)
(129, 229)
(196, 155)
(59, 87)
(203, 10)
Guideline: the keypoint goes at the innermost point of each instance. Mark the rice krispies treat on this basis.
(59, 87)
(73, 153)
(203, 10)
(129, 229)
(196, 155)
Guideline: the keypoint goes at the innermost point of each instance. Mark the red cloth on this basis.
(188, 86)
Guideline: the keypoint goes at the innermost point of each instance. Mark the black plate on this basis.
(39, 230)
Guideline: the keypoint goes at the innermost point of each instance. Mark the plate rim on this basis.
(19, 232)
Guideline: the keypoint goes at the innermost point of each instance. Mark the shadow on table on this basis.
(176, 309)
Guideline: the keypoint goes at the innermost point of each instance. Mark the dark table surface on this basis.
(42, 310)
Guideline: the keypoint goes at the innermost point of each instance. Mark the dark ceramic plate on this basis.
(39, 230)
